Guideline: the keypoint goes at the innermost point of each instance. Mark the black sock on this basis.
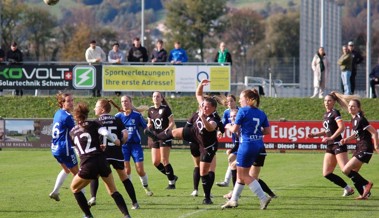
(206, 186)
(336, 180)
(212, 177)
(234, 176)
(94, 186)
(130, 190)
(165, 135)
(358, 181)
(265, 187)
(120, 202)
(169, 172)
(196, 178)
(161, 168)
(82, 202)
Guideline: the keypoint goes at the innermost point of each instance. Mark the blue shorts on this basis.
(248, 153)
(69, 161)
(132, 150)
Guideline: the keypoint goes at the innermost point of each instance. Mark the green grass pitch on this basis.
(28, 176)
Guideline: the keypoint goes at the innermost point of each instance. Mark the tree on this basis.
(192, 21)
(245, 29)
(39, 25)
(11, 17)
(75, 49)
(281, 44)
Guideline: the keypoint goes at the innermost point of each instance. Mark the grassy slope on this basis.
(276, 108)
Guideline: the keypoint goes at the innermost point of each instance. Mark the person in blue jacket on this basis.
(177, 55)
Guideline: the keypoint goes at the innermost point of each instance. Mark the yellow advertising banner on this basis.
(144, 78)
(220, 78)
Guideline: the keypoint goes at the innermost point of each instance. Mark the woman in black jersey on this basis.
(335, 153)
(160, 119)
(366, 138)
(202, 132)
(113, 151)
(86, 137)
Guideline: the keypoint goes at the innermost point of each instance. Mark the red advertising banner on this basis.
(287, 135)
(292, 135)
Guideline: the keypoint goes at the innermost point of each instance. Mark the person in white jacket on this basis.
(320, 68)
(95, 54)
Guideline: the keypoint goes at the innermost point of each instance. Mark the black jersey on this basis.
(115, 126)
(87, 140)
(331, 126)
(202, 136)
(360, 125)
(159, 117)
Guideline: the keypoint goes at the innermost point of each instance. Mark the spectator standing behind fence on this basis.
(177, 55)
(223, 55)
(357, 59)
(374, 79)
(159, 54)
(115, 56)
(94, 54)
(345, 62)
(320, 67)
(2, 59)
(137, 52)
(14, 56)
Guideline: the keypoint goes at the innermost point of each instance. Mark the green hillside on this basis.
(276, 108)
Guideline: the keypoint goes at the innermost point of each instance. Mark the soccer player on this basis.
(366, 139)
(202, 132)
(113, 153)
(86, 137)
(232, 105)
(160, 119)
(252, 123)
(335, 153)
(61, 147)
(132, 121)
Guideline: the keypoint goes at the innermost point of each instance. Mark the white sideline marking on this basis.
(192, 213)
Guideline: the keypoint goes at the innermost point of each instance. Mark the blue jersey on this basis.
(178, 55)
(62, 125)
(132, 123)
(226, 117)
(251, 121)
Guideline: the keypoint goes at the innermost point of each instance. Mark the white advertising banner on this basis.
(175, 78)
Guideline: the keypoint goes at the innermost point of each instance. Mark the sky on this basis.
(19, 125)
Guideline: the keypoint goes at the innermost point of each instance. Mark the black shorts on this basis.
(364, 151)
(117, 165)
(260, 161)
(206, 154)
(159, 143)
(195, 150)
(336, 149)
(94, 167)
(188, 135)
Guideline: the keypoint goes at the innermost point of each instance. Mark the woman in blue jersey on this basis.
(113, 150)
(133, 121)
(61, 146)
(252, 123)
(232, 105)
